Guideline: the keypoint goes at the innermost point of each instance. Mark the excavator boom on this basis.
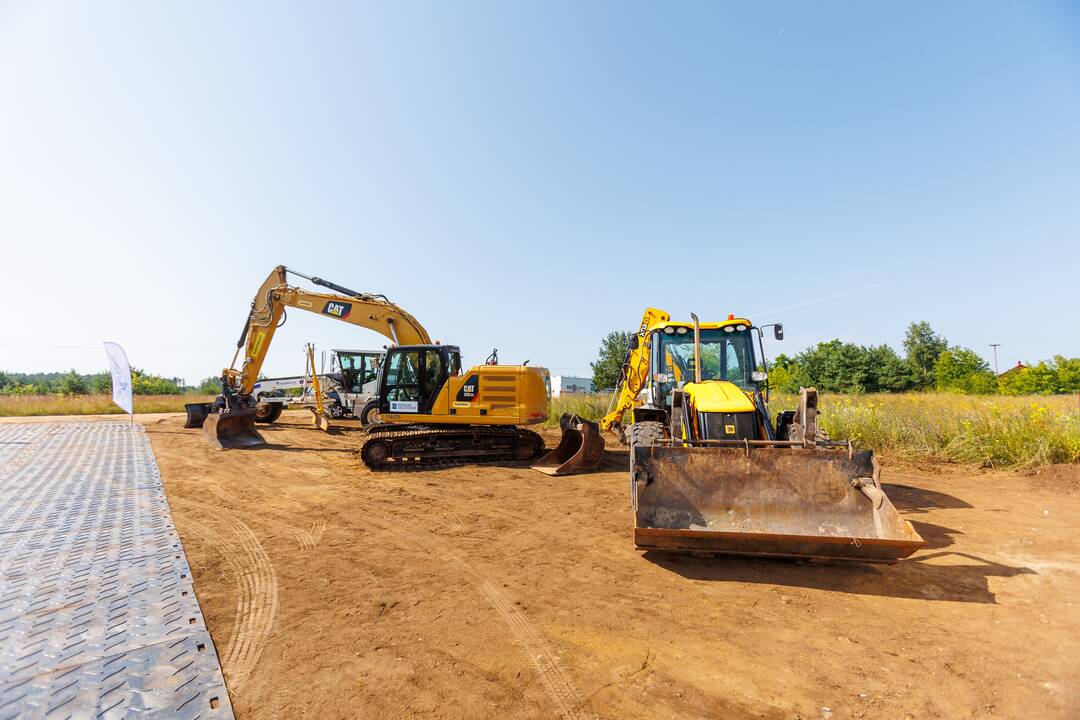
(230, 422)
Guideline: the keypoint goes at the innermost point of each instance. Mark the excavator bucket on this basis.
(319, 420)
(803, 502)
(580, 449)
(233, 428)
(196, 414)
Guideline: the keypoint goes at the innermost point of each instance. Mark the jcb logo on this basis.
(337, 309)
(644, 327)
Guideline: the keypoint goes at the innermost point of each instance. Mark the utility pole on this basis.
(995, 346)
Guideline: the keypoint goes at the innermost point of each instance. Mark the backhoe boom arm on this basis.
(635, 370)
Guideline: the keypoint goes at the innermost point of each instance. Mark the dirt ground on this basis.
(332, 591)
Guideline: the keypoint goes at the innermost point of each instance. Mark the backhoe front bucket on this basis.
(233, 429)
(817, 503)
(196, 414)
(580, 449)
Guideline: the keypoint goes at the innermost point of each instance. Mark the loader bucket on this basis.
(814, 503)
(233, 428)
(196, 414)
(580, 449)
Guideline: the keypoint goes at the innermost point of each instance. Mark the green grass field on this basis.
(1018, 432)
(30, 405)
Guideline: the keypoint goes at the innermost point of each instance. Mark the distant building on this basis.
(561, 384)
(1019, 366)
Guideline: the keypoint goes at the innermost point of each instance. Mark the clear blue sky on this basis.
(532, 175)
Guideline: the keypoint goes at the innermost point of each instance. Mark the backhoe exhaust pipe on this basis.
(697, 348)
(580, 449)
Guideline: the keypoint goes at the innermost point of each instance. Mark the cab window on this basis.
(403, 376)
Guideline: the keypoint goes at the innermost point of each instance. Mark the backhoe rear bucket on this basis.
(813, 503)
(196, 414)
(233, 429)
(319, 420)
(580, 449)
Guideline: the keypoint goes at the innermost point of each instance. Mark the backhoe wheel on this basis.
(369, 415)
(647, 432)
(336, 411)
(268, 412)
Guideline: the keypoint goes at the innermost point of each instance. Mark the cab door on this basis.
(433, 398)
(414, 380)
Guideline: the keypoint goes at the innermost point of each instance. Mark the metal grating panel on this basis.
(98, 617)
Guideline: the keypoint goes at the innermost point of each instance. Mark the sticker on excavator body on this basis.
(337, 309)
(469, 391)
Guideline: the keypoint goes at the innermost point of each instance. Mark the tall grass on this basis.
(1019, 432)
(29, 405)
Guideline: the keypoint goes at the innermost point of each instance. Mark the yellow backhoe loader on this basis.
(431, 411)
(711, 472)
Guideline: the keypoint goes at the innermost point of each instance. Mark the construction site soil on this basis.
(499, 592)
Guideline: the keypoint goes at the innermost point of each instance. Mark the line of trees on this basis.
(73, 383)
(929, 363)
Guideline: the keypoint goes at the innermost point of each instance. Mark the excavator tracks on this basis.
(417, 447)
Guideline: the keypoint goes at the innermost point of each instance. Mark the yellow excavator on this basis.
(431, 410)
(711, 472)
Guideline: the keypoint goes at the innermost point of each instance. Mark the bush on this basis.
(962, 370)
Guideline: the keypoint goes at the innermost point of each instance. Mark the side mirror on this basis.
(759, 376)
(778, 331)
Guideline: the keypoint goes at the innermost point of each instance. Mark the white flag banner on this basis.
(121, 376)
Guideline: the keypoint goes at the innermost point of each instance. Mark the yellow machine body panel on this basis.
(486, 395)
(718, 396)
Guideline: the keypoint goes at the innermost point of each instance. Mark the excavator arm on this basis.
(374, 312)
(635, 371)
(230, 420)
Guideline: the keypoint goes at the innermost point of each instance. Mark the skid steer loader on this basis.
(711, 472)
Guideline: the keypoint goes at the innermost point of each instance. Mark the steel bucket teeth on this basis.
(233, 429)
(803, 503)
(580, 449)
(196, 414)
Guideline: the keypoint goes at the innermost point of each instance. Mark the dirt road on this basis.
(331, 591)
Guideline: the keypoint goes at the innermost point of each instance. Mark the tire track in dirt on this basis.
(556, 681)
(307, 539)
(257, 587)
(559, 688)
